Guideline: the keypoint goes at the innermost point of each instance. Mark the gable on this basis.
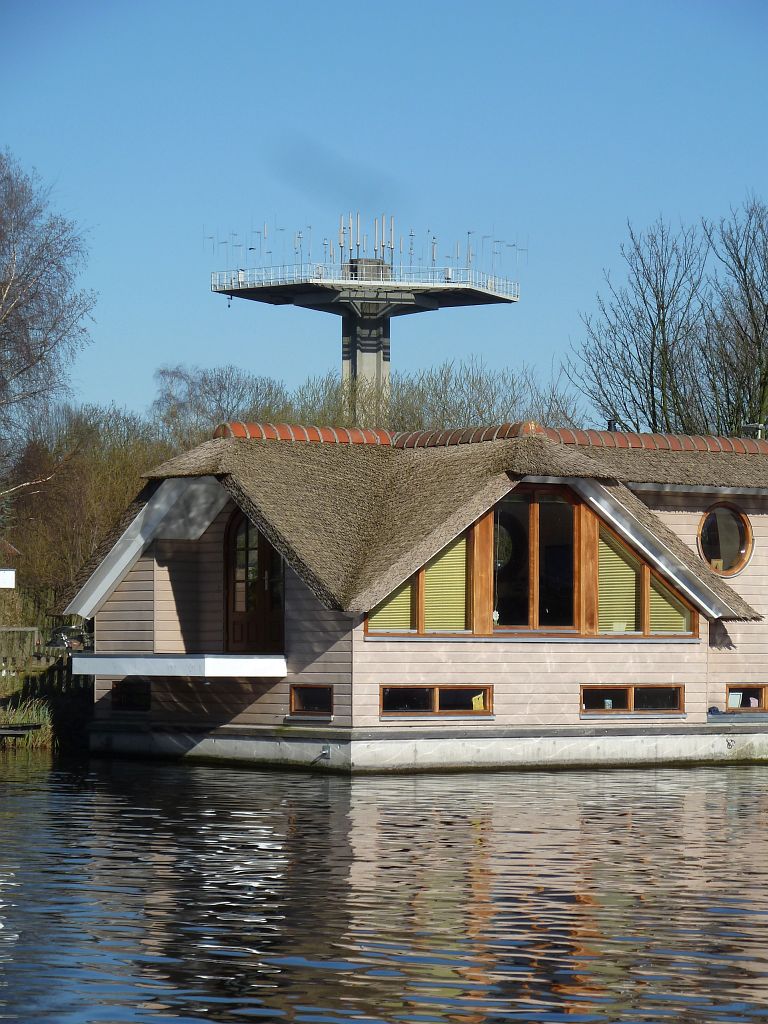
(180, 509)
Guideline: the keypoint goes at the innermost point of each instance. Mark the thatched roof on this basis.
(357, 512)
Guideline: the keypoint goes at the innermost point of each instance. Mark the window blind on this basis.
(618, 588)
(445, 589)
(668, 615)
(394, 614)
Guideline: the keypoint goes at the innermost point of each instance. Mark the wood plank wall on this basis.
(534, 683)
(738, 651)
(183, 586)
(124, 623)
(318, 650)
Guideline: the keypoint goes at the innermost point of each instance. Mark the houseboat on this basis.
(505, 597)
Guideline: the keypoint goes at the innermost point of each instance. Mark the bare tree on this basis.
(42, 312)
(735, 358)
(638, 363)
(191, 401)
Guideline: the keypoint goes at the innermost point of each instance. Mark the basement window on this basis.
(746, 698)
(629, 699)
(133, 693)
(436, 700)
(312, 700)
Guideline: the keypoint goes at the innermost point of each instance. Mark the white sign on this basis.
(7, 579)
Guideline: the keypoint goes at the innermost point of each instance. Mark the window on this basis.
(435, 600)
(746, 698)
(628, 699)
(619, 587)
(131, 694)
(436, 700)
(725, 539)
(533, 571)
(540, 561)
(667, 613)
(631, 598)
(254, 590)
(311, 700)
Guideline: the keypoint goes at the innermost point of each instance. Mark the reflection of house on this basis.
(507, 596)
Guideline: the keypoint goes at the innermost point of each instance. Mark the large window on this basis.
(533, 569)
(254, 590)
(540, 561)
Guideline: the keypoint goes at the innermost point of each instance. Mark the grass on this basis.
(34, 711)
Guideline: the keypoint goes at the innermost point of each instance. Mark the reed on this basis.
(34, 711)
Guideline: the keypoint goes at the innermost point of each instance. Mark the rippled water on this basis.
(151, 892)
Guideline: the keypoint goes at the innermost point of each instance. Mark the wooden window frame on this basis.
(534, 494)
(480, 584)
(435, 700)
(630, 708)
(740, 514)
(762, 706)
(293, 710)
(418, 614)
(647, 573)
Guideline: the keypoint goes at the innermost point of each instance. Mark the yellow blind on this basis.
(445, 589)
(668, 615)
(394, 614)
(618, 588)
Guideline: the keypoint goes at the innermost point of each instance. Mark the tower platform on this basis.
(366, 293)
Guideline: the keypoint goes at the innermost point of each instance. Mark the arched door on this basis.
(254, 590)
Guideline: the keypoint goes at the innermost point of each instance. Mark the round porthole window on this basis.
(725, 539)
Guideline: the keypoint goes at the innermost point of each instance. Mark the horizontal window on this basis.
(610, 699)
(133, 693)
(311, 700)
(436, 700)
(746, 698)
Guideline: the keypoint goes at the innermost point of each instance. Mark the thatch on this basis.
(698, 469)
(356, 520)
(681, 553)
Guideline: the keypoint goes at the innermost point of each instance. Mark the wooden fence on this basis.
(47, 675)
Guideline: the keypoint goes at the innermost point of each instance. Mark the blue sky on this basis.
(546, 123)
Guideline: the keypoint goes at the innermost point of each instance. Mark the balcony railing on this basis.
(365, 274)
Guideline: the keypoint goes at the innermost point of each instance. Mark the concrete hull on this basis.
(379, 751)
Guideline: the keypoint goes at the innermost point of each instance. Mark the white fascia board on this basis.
(180, 509)
(196, 666)
(655, 551)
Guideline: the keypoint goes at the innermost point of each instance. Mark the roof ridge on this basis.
(504, 431)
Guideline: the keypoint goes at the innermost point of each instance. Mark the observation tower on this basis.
(366, 291)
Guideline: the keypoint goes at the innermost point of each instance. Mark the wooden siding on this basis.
(189, 592)
(535, 683)
(124, 623)
(318, 646)
(318, 649)
(738, 651)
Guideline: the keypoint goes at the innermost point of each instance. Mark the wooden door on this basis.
(254, 590)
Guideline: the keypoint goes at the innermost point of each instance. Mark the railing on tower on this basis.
(370, 273)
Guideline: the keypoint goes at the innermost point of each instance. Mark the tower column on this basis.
(365, 351)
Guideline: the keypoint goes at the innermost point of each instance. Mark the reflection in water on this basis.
(150, 892)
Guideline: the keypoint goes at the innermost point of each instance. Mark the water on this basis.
(152, 892)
